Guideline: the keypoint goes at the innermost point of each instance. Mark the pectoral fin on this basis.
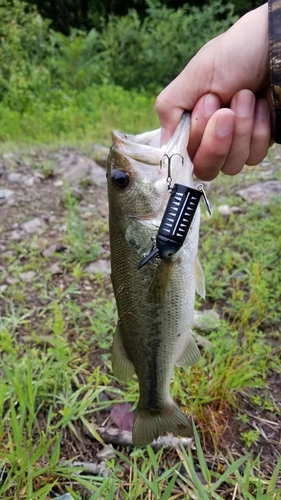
(199, 278)
(161, 280)
(191, 354)
(122, 367)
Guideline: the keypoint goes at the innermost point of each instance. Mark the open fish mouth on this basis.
(143, 151)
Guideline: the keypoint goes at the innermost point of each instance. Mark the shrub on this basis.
(150, 54)
(24, 44)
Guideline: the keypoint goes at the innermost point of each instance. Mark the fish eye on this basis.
(120, 179)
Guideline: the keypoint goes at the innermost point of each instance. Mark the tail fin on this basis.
(149, 426)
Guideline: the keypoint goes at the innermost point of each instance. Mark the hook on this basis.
(169, 176)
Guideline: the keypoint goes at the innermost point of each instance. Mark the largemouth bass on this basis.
(155, 303)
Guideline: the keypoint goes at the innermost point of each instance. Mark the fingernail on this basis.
(262, 109)
(211, 104)
(244, 103)
(224, 125)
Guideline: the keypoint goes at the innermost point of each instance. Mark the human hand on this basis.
(226, 85)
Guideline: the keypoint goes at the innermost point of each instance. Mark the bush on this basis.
(24, 44)
(36, 62)
(150, 54)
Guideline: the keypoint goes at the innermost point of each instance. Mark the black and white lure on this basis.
(177, 218)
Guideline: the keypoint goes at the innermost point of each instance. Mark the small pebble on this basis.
(28, 276)
(106, 453)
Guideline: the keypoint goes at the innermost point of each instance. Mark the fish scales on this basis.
(156, 303)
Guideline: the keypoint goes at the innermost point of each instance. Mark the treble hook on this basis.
(169, 176)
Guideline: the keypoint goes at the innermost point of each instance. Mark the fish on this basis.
(155, 303)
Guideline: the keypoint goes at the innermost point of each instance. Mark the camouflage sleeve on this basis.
(274, 7)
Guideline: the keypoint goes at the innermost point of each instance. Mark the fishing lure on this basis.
(176, 220)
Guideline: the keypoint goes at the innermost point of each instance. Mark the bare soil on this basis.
(38, 192)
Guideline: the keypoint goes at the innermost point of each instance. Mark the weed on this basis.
(250, 437)
(81, 248)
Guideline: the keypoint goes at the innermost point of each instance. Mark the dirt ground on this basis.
(32, 206)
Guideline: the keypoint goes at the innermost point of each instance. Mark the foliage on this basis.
(36, 62)
(150, 53)
(86, 14)
(91, 114)
(24, 44)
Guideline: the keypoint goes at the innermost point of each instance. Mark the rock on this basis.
(73, 169)
(29, 181)
(95, 469)
(58, 183)
(11, 281)
(227, 211)
(99, 266)
(206, 321)
(262, 193)
(122, 416)
(224, 210)
(49, 251)
(15, 177)
(55, 268)
(5, 195)
(28, 276)
(37, 225)
(106, 453)
(97, 174)
(16, 235)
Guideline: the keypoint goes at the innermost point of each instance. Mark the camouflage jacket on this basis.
(274, 7)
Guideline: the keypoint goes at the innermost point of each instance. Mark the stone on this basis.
(6, 194)
(106, 453)
(28, 276)
(97, 174)
(99, 266)
(55, 268)
(224, 210)
(73, 168)
(262, 193)
(11, 281)
(37, 225)
(15, 177)
(227, 211)
(206, 321)
(29, 181)
(49, 251)
(16, 235)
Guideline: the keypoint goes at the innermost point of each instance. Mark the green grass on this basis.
(71, 117)
(56, 333)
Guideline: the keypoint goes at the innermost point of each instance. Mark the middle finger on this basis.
(243, 105)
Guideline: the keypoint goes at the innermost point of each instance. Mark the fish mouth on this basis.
(143, 151)
(143, 148)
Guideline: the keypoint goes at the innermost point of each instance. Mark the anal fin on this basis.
(191, 354)
(122, 367)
